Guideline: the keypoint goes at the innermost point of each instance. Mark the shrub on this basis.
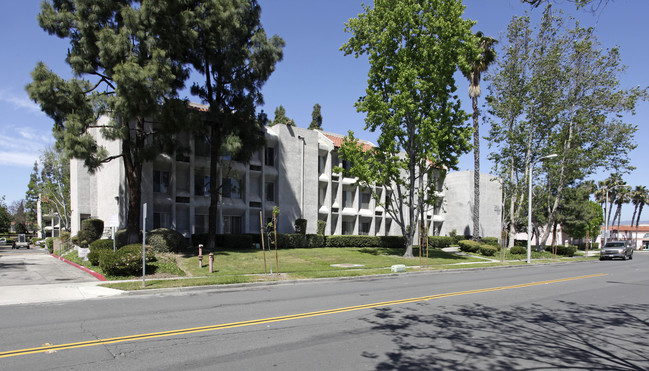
(91, 230)
(122, 237)
(315, 240)
(99, 248)
(127, 261)
(49, 242)
(166, 240)
(392, 242)
(439, 242)
(300, 226)
(64, 236)
(518, 250)
(353, 241)
(291, 241)
(562, 250)
(74, 240)
(487, 250)
(469, 245)
(522, 243)
(322, 225)
(493, 241)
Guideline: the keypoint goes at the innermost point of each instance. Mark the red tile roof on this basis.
(338, 141)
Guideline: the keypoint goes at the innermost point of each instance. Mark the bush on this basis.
(122, 237)
(322, 225)
(469, 246)
(91, 230)
(493, 241)
(166, 240)
(49, 242)
(74, 240)
(488, 250)
(98, 249)
(290, 241)
(315, 240)
(353, 241)
(300, 226)
(562, 250)
(518, 250)
(522, 243)
(439, 242)
(127, 261)
(64, 236)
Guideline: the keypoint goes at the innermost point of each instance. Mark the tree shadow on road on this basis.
(478, 337)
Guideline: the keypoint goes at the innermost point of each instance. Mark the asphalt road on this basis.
(581, 316)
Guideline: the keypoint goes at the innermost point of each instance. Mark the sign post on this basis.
(144, 245)
(113, 223)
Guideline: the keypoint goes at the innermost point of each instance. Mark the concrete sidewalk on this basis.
(55, 292)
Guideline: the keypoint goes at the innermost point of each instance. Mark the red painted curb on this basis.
(95, 274)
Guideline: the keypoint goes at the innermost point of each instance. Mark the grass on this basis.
(230, 267)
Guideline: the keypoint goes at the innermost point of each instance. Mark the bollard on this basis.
(200, 256)
(211, 262)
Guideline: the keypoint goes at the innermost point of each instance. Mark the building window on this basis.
(202, 146)
(201, 185)
(322, 163)
(322, 192)
(160, 181)
(269, 159)
(348, 228)
(201, 225)
(365, 200)
(232, 224)
(231, 188)
(160, 220)
(364, 228)
(348, 198)
(270, 191)
(347, 165)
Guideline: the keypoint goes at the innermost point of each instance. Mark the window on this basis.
(365, 228)
(322, 162)
(202, 146)
(365, 200)
(269, 159)
(347, 165)
(201, 185)
(348, 198)
(322, 192)
(270, 191)
(160, 220)
(232, 224)
(160, 181)
(348, 228)
(201, 225)
(231, 188)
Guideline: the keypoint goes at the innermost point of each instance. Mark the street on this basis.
(592, 315)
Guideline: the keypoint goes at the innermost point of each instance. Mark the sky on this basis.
(313, 70)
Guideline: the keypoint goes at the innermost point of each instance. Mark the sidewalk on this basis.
(55, 292)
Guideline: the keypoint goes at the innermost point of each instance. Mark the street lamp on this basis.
(529, 207)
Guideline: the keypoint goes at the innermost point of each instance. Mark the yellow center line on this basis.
(50, 348)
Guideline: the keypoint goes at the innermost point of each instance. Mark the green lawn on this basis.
(248, 266)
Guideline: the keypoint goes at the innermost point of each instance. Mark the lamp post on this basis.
(529, 207)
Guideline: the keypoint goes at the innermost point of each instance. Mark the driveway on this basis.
(32, 276)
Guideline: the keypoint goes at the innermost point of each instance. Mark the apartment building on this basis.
(293, 172)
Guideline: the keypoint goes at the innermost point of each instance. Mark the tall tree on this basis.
(55, 185)
(235, 58)
(5, 216)
(125, 56)
(573, 100)
(414, 49)
(31, 199)
(642, 198)
(316, 118)
(638, 198)
(485, 58)
(281, 118)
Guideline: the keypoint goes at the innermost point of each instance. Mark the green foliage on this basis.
(563, 250)
(91, 230)
(488, 250)
(122, 237)
(127, 261)
(98, 249)
(490, 241)
(315, 241)
(322, 225)
(5, 216)
(49, 242)
(414, 50)
(291, 241)
(281, 118)
(53, 185)
(300, 226)
(518, 250)
(364, 241)
(439, 242)
(166, 240)
(316, 118)
(64, 236)
(469, 246)
(227, 241)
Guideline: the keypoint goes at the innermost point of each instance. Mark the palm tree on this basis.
(640, 197)
(480, 64)
(622, 197)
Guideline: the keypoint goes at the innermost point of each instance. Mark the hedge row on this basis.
(563, 250)
(478, 247)
(126, 261)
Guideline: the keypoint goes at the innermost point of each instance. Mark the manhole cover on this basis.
(347, 265)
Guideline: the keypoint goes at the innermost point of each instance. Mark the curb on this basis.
(90, 271)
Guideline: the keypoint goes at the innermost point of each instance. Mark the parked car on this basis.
(616, 249)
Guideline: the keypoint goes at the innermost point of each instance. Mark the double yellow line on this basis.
(122, 339)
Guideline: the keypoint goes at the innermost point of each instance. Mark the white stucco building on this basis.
(294, 172)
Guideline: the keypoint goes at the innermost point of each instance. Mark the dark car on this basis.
(616, 249)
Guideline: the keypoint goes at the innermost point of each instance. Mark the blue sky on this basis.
(313, 71)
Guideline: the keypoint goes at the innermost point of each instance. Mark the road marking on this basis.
(53, 348)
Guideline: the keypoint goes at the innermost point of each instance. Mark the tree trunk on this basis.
(215, 148)
(476, 172)
(133, 170)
